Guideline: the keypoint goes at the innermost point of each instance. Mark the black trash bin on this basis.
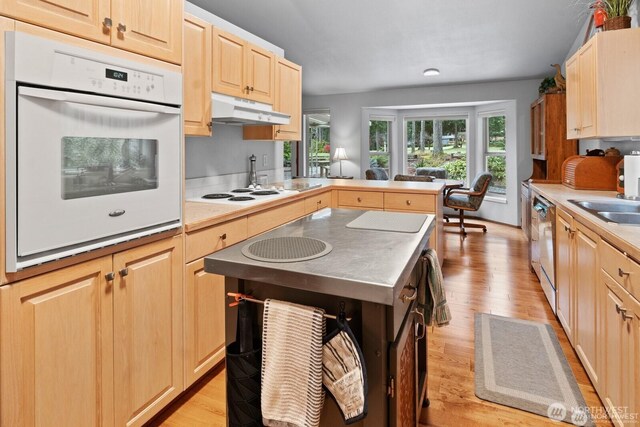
(244, 361)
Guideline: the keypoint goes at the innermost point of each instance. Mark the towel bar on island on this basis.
(242, 297)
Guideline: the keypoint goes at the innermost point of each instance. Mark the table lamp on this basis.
(340, 154)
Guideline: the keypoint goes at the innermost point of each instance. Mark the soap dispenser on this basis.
(253, 175)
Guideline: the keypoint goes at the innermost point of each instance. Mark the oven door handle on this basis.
(99, 101)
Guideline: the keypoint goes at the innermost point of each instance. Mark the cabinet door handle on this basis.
(124, 272)
(622, 273)
(247, 89)
(223, 236)
(251, 89)
(278, 131)
(108, 23)
(122, 28)
(110, 276)
(566, 228)
(210, 125)
(359, 200)
(408, 202)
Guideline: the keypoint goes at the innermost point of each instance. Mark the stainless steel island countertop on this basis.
(365, 265)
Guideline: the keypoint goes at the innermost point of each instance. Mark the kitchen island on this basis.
(374, 273)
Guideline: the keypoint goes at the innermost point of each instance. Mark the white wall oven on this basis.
(93, 152)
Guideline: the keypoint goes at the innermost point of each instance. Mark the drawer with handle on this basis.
(315, 203)
(360, 199)
(409, 202)
(624, 270)
(203, 242)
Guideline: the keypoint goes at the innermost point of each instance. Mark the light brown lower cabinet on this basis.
(82, 348)
(586, 282)
(204, 321)
(565, 286)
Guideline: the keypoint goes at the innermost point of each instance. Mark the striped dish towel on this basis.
(292, 393)
(432, 300)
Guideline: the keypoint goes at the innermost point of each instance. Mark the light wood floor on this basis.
(483, 273)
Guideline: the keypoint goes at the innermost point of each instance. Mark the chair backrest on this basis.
(376, 174)
(413, 178)
(480, 184)
(432, 171)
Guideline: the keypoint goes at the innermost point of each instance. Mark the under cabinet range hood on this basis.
(230, 110)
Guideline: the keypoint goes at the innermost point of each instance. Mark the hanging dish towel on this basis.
(292, 394)
(432, 300)
(344, 373)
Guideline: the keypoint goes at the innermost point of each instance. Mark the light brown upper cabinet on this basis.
(196, 76)
(149, 27)
(600, 99)
(242, 69)
(288, 99)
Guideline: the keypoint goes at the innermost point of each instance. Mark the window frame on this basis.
(484, 118)
(391, 122)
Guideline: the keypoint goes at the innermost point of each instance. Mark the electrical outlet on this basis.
(264, 160)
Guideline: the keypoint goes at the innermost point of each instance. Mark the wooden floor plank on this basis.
(483, 273)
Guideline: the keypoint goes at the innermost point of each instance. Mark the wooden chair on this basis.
(468, 199)
(376, 174)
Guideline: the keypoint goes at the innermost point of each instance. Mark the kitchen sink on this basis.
(622, 217)
(625, 212)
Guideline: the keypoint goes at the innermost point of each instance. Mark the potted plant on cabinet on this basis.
(617, 14)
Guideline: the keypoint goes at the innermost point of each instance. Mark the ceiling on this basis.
(364, 45)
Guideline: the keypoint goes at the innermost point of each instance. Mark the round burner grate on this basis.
(241, 198)
(217, 196)
(286, 249)
(264, 193)
(242, 190)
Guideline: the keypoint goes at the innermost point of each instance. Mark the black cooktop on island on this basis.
(217, 196)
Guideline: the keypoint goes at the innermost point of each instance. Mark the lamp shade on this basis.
(340, 154)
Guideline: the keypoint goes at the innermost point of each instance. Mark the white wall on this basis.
(347, 113)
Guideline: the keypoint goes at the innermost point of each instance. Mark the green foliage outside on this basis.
(287, 154)
(379, 162)
(456, 169)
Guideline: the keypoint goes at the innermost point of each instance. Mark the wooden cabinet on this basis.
(272, 218)
(565, 291)
(204, 329)
(196, 77)
(259, 74)
(361, 199)
(242, 69)
(577, 272)
(147, 316)
(620, 328)
(410, 202)
(315, 203)
(98, 343)
(57, 348)
(204, 298)
(288, 99)
(149, 27)
(86, 19)
(525, 209)
(549, 144)
(586, 301)
(600, 100)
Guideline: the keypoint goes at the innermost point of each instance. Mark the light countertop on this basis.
(624, 237)
(199, 215)
(366, 265)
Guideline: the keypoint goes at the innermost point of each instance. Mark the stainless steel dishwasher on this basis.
(546, 239)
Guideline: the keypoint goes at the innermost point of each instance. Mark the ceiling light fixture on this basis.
(429, 72)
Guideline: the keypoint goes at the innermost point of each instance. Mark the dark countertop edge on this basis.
(381, 294)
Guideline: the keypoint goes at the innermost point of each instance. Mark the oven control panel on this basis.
(94, 76)
(38, 61)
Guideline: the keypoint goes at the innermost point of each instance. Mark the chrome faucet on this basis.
(253, 175)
